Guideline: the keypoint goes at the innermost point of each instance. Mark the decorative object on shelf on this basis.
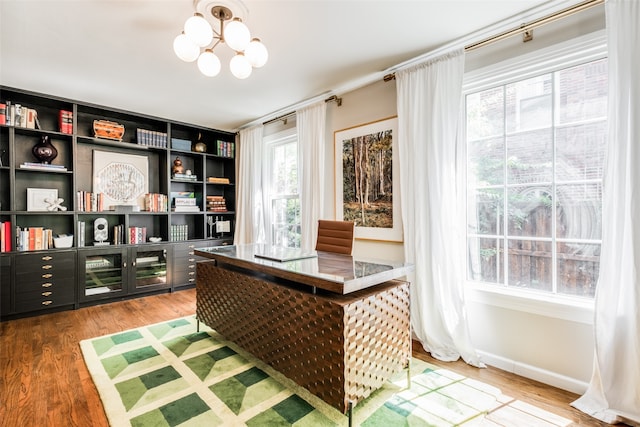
(55, 204)
(198, 33)
(100, 232)
(199, 146)
(123, 178)
(63, 241)
(108, 130)
(36, 198)
(155, 239)
(177, 166)
(2, 154)
(44, 150)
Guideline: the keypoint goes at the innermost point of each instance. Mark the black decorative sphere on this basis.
(44, 151)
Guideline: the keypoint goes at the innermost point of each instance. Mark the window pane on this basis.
(529, 104)
(530, 265)
(578, 268)
(285, 171)
(486, 162)
(485, 209)
(530, 157)
(583, 92)
(579, 211)
(485, 260)
(485, 111)
(286, 222)
(580, 151)
(529, 211)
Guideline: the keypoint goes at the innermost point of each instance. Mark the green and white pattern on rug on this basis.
(168, 374)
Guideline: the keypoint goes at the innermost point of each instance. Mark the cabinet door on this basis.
(148, 268)
(102, 273)
(5, 285)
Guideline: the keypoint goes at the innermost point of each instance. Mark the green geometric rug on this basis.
(168, 374)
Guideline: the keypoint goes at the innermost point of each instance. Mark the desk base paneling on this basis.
(339, 347)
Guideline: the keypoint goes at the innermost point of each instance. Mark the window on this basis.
(284, 198)
(535, 158)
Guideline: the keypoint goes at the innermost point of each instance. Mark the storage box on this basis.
(181, 144)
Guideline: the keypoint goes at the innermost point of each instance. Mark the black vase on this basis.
(44, 151)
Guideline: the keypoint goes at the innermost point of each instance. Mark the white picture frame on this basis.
(123, 179)
(389, 226)
(36, 198)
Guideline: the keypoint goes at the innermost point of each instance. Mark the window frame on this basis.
(570, 53)
(272, 141)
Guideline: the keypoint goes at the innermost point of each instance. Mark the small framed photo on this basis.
(36, 198)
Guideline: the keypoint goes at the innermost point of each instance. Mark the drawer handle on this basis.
(192, 280)
(47, 258)
(192, 266)
(192, 259)
(47, 285)
(46, 294)
(192, 273)
(47, 276)
(47, 267)
(47, 302)
(192, 246)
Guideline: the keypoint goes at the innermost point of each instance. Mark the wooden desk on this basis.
(341, 343)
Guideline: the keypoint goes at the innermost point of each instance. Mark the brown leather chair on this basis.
(335, 236)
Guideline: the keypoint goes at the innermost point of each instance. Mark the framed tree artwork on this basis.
(367, 179)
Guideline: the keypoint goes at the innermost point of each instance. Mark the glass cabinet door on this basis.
(103, 274)
(150, 268)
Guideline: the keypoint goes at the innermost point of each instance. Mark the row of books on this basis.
(65, 121)
(119, 235)
(224, 148)
(216, 204)
(5, 236)
(185, 176)
(82, 228)
(217, 180)
(87, 201)
(43, 166)
(18, 115)
(137, 235)
(33, 238)
(151, 138)
(156, 202)
(179, 232)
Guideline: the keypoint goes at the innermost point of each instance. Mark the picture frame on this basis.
(123, 179)
(36, 198)
(369, 194)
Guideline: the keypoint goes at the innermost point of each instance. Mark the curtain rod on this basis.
(525, 27)
(291, 113)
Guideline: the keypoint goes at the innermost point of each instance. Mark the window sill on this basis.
(561, 307)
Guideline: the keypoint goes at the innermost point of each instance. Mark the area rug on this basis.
(168, 374)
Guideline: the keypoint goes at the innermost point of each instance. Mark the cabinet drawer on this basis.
(37, 300)
(44, 284)
(43, 260)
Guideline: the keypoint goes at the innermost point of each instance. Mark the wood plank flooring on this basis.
(44, 381)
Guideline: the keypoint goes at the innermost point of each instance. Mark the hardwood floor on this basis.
(44, 381)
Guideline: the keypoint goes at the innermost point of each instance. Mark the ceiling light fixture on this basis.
(198, 34)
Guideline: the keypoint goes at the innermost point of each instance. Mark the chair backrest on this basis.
(335, 236)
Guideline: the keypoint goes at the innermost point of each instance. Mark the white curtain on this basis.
(310, 122)
(250, 227)
(614, 392)
(432, 184)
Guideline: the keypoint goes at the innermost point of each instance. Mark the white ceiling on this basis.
(118, 53)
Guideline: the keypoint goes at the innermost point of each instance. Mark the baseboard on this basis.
(534, 373)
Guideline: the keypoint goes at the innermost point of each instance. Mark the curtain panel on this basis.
(310, 123)
(613, 394)
(432, 182)
(250, 226)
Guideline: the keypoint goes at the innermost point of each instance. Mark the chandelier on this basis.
(199, 39)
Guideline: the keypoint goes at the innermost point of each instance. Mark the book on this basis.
(218, 180)
(186, 209)
(65, 121)
(185, 176)
(3, 113)
(184, 201)
(44, 167)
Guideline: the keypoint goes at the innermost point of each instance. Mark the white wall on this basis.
(549, 342)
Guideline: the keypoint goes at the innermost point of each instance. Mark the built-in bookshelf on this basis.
(112, 184)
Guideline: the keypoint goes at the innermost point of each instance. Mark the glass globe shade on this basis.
(240, 66)
(209, 63)
(256, 53)
(236, 35)
(198, 30)
(185, 49)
